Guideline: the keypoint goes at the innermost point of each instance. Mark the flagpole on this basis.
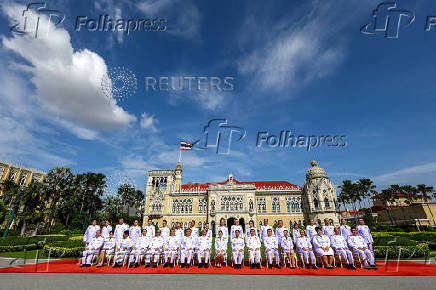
(180, 155)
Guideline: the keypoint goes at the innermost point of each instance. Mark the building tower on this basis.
(319, 196)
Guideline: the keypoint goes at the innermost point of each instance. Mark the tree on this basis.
(3, 212)
(366, 188)
(389, 195)
(32, 203)
(350, 194)
(113, 208)
(10, 191)
(130, 196)
(426, 192)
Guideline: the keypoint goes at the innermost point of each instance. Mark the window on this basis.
(232, 203)
(275, 204)
(261, 205)
(202, 206)
(288, 205)
(326, 203)
(315, 203)
(182, 206)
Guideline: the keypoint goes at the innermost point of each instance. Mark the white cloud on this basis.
(67, 81)
(424, 173)
(148, 122)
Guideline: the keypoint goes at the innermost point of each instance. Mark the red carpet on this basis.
(393, 268)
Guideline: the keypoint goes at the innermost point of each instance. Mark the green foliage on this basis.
(3, 212)
(62, 252)
(19, 248)
(420, 250)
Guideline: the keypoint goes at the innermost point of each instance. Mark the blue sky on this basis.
(301, 66)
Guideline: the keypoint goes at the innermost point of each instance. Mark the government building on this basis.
(169, 199)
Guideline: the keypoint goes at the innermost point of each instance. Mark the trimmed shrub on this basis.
(19, 248)
(62, 252)
(420, 250)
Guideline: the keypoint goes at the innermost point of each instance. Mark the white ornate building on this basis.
(168, 199)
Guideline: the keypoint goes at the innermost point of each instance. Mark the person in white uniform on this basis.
(360, 247)
(223, 228)
(310, 229)
(151, 229)
(271, 246)
(238, 246)
(93, 248)
(171, 248)
(250, 227)
(125, 247)
(264, 228)
(279, 231)
(208, 230)
(254, 245)
(304, 247)
(345, 229)
(120, 228)
(141, 249)
(234, 228)
(107, 249)
(156, 247)
(365, 232)
(194, 230)
(135, 231)
(188, 247)
(287, 248)
(204, 246)
(328, 229)
(220, 249)
(90, 232)
(295, 232)
(165, 230)
(180, 233)
(106, 229)
(340, 246)
(321, 244)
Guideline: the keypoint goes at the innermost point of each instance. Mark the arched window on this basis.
(315, 203)
(275, 204)
(288, 206)
(326, 202)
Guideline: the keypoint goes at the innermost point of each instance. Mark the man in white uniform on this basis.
(125, 247)
(151, 229)
(321, 244)
(165, 230)
(107, 249)
(271, 247)
(179, 232)
(340, 246)
(120, 228)
(194, 230)
(106, 229)
(188, 247)
(364, 231)
(304, 247)
(328, 229)
(310, 230)
(287, 248)
(234, 228)
(93, 248)
(264, 229)
(90, 232)
(141, 249)
(295, 232)
(238, 246)
(279, 231)
(220, 249)
(223, 228)
(358, 246)
(345, 229)
(253, 245)
(250, 227)
(135, 231)
(204, 246)
(172, 247)
(209, 231)
(156, 247)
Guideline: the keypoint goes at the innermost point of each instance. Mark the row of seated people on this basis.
(172, 250)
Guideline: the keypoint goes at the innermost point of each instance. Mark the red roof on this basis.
(257, 184)
(376, 196)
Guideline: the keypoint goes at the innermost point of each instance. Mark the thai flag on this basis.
(185, 145)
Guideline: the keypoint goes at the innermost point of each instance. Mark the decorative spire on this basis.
(314, 163)
(179, 166)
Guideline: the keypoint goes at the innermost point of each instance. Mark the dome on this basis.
(315, 171)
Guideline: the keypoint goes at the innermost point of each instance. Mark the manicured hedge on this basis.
(62, 251)
(394, 241)
(420, 250)
(19, 248)
(13, 241)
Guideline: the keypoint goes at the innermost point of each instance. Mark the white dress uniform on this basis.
(142, 247)
(365, 232)
(194, 232)
(225, 231)
(93, 248)
(105, 231)
(238, 245)
(286, 245)
(304, 243)
(310, 231)
(271, 247)
(253, 245)
(90, 233)
(221, 245)
(119, 231)
(328, 230)
(126, 245)
(279, 233)
(156, 247)
(339, 244)
(165, 232)
(180, 234)
(151, 230)
(188, 246)
(234, 228)
(247, 232)
(345, 231)
(209, 233)
(356, 242)
(203, 248)
(295, 234)
(171, 248)
(109, 245)
(134, 232)
(264, 231)
(322, 241)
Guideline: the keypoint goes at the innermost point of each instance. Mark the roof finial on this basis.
(314, 163)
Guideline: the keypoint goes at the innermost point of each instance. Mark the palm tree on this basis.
(10, 191)
(425, 191)
(32, 203)
(367, 188)
(350, 194)
(389, 195)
